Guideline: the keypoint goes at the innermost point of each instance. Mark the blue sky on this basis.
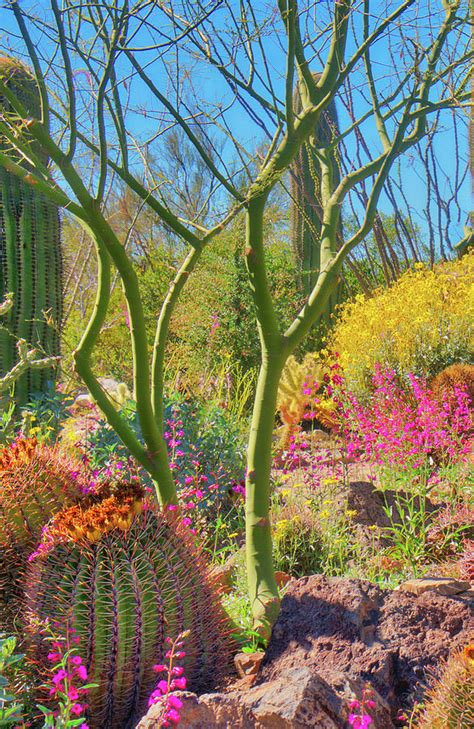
(209, 84)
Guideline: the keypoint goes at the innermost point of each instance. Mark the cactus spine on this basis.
(306, 204)
(36, 482)
(30, 253)
(125, 580)
(449, 703)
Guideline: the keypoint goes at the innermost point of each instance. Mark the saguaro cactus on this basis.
(305, 189)
(30, 252)
(125, 580)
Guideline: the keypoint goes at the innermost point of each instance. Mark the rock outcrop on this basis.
(333, 638)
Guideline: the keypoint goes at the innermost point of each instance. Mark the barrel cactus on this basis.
(36, 482)
(125, 577)
(305, 190)
(30, 252)
(449, 704)
(458, 376)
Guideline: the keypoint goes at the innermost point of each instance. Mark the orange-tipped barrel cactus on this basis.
(125, 578)
(36, 481)
(448, 704)
(457, 376)
(30, 251)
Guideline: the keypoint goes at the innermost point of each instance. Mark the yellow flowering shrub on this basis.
(422, 323)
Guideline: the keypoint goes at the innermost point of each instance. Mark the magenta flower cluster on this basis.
(403, 427)
(359, 718)
(115, 470)
(197, 489)
(315, 465)
(173, 680)
(68, 682)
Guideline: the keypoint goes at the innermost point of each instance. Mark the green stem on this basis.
(263, 590)
(162, 329)
(166, 312)
(150, 460)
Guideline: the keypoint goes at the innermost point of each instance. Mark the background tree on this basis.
(190, 65)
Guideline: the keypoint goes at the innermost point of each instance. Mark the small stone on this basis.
(247, 664)
(223, 575)
(83, 401)
(441, 585)
(282, 578)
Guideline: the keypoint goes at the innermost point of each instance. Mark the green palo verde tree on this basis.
(122, 56)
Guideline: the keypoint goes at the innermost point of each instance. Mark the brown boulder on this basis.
(441, 585)
(391, 639)
(333, 638)
(298, 699)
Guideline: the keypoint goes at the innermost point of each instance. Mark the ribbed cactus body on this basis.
(36, 481)
(30, 252)
(449, 703)
(124, 593)
(306, 204)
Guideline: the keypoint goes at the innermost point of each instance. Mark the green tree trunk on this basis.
(263, 590)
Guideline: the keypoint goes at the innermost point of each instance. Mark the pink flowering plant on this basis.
(200, 486)
(412, 438)
(67, 686)
(360, 716)
(173, 680)
(406, 428)
(205, 449)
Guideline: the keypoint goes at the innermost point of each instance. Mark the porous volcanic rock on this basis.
(333, 638)
(391, 639)
(297, 699)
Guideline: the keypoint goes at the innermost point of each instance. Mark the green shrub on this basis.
(205, 443)
(10, 707)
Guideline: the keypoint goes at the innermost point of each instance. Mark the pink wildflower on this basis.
(174, 702)
(59, 676)
(179, 683)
